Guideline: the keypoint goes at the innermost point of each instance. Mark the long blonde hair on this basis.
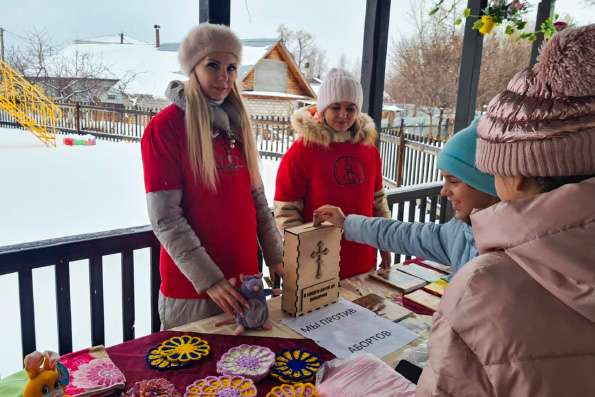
(199, 135)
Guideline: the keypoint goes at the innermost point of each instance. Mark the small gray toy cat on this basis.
(257, 315)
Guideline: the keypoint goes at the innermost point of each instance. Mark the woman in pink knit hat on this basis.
(519, 320)
(205, 196)
(333, 161)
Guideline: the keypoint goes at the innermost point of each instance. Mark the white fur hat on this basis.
(205, 39)
(339, 86)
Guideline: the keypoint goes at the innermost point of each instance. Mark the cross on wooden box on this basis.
(311, 267)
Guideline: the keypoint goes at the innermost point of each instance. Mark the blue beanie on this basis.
(457, 157)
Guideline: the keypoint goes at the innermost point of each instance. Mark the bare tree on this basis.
(424, 69)
(316, 64)
(310, 59)
(121, 87)
(30, 58)
(303, 47)
(76, 76)
(285, 34)
(501, 59)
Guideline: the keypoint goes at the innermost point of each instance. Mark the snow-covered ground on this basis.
(69, 190)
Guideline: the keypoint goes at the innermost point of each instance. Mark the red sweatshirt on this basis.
(343, 174)
(225, 221)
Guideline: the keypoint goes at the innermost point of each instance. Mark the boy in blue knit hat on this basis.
(451, 243)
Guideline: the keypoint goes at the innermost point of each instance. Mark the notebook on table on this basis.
(439, 267)
(437, 287)
(398, 279)
(383, 307)
(422, 272)
(421, 302)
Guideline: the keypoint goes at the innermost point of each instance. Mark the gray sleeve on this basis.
(179, 239)
(426, 240)
(268, 234)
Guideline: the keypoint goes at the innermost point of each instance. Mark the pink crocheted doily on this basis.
(251, 361)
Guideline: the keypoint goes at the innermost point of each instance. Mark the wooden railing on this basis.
(411, 204)
(59, 253)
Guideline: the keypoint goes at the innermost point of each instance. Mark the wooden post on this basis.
(470, 67)
(401, 154)
(128, 314)
(155, 278)
(78, 118)
(374, 58)
(26, 306)
(544, 11)
(215, 11)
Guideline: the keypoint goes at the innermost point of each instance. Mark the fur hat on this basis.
(205, 39)
(339, 86)
(543, 124)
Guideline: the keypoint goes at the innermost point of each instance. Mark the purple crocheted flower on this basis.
(99, 372)
(251, 361)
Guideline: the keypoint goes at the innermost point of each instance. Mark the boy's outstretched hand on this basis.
(331, 214)
(386, 260)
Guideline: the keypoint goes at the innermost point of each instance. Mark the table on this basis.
(350, 289)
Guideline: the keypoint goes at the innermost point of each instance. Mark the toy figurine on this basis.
(47, 377)
(257, 315)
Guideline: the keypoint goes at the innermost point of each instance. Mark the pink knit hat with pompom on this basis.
(543, 124)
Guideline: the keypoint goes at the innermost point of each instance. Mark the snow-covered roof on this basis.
(274, 94)
(149, 68)
(316, 86)
(253, 50)
(392, 108)
(115, 39)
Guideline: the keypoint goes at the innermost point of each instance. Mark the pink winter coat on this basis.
(519, 320)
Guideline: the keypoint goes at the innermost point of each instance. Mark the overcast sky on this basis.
(337, 25)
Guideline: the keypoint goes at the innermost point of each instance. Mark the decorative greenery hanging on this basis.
(511, 14)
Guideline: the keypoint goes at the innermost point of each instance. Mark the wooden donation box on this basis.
(311, 267)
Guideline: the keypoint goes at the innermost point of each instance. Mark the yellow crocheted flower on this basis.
(185, 348)
(156, 359)
(226, 385)
(295, 390)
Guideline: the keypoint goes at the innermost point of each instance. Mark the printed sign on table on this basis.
(345, 328)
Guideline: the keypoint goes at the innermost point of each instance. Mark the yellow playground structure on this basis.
(28, 105)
